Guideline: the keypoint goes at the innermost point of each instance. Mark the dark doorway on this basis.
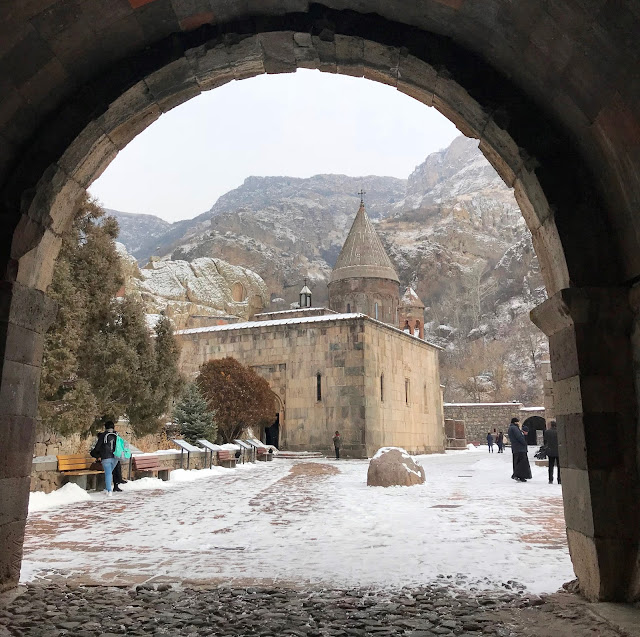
(534, 423)
(272, 433)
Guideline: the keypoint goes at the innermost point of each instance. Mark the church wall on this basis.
(361, 294)
(417, 425)
(333, 348)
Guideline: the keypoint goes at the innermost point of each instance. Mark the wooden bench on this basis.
(227, 458)
(149, 464)
(76, 468)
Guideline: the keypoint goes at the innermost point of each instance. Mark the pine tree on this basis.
(193, 417)
(99, 359)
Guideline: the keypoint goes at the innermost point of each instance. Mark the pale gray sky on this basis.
(298, 124)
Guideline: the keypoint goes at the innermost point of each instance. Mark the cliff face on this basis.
(453, 231)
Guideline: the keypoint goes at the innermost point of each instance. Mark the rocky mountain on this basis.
(452, 229)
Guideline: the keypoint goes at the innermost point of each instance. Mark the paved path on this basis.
(314, 523)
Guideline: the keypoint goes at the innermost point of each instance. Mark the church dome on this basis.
(363, 255)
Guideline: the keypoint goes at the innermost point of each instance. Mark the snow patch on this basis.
(68, 494)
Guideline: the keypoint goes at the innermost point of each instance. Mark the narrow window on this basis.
(348, 308)
(426, 399)
(382, 387)
(406, 391)
(376, 311)
(318, 387)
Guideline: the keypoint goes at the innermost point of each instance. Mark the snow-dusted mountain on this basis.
(452, 229)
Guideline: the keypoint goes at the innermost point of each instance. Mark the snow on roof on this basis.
(515, 405)
(298, 310)
(299, 320)
(531, 408)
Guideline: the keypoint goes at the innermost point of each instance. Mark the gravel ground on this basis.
(165, 609)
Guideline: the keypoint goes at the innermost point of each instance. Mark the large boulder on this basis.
(394, 467)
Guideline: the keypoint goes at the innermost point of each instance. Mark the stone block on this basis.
(417, 79)
(381, 63)
(326, 54)
(19, 389)
(459, 107)
(14, 495)
(173, 84)
(35, 269)
(11, 539)
(246, 58)
(17, 434)
(349, 55)
(22, 345)
(278, 54)
(577, 508)
(26, 307)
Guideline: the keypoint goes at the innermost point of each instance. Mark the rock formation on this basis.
(394, 467)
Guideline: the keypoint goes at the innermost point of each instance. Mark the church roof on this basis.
(363, 254)
(411, 299)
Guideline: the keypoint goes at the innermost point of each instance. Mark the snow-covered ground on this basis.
(312, 522)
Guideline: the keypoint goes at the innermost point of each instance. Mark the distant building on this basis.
(347, 368)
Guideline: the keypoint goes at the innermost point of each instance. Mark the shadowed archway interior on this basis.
(557, 118)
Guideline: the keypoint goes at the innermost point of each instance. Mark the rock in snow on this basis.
(394, 467)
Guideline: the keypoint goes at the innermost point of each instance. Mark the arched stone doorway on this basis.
(534, 424)
(274, 433)
(549, 100)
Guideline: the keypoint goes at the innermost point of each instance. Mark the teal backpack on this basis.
(122, 450)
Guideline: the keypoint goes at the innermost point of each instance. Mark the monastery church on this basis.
(348, 367)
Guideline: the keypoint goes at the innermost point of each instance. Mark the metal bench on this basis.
(263, 453)
(225, 457)
(149, 464)
(247, 451)
(185, 446)
(77, 469)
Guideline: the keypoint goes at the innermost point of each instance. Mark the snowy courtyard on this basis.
(314, 522)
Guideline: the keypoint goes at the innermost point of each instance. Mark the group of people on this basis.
(105, 451)
(498, 438)
(517, 437)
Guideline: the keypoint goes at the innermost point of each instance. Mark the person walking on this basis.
(104, 450)
(500, 442)
(490, 441)
(521, 468)
(337, 442)
(550, 437)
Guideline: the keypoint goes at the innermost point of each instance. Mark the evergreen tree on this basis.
(99, 358)
(193, 417)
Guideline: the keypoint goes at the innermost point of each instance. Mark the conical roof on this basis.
(363, 254)
(411, 299)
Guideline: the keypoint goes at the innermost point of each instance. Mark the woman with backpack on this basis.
(104, 450)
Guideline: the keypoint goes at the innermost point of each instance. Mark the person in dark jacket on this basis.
(104, 450)
(500, 442)
(550, 437)
(337, 442)
(521, 468)
(490, 441)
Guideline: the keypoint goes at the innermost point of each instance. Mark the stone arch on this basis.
(565, 161)
(534, 424)
(238, 292)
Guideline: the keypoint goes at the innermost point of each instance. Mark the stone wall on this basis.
(480, 418)
(362, 294)
(402, 386)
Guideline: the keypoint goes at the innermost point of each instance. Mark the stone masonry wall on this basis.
(290, 357)
(480, 418)
(409, 413)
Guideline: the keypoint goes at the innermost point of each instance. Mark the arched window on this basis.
(238, 293)
(318, 387)
(426, 399)
(375, 309)
(348, 308)
(382, 387)
(406, 391)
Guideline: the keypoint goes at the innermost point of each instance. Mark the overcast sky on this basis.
(297, 124)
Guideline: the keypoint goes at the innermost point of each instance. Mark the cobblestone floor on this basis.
(163, 609)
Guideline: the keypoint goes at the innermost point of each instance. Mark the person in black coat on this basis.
(550, 437)
(104, 450)
(521, 467)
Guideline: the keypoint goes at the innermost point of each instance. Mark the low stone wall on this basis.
(46, 477)
(480, 418)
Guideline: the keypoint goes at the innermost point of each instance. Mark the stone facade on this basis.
(377, 298)
(373, 383)
(479, 418)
